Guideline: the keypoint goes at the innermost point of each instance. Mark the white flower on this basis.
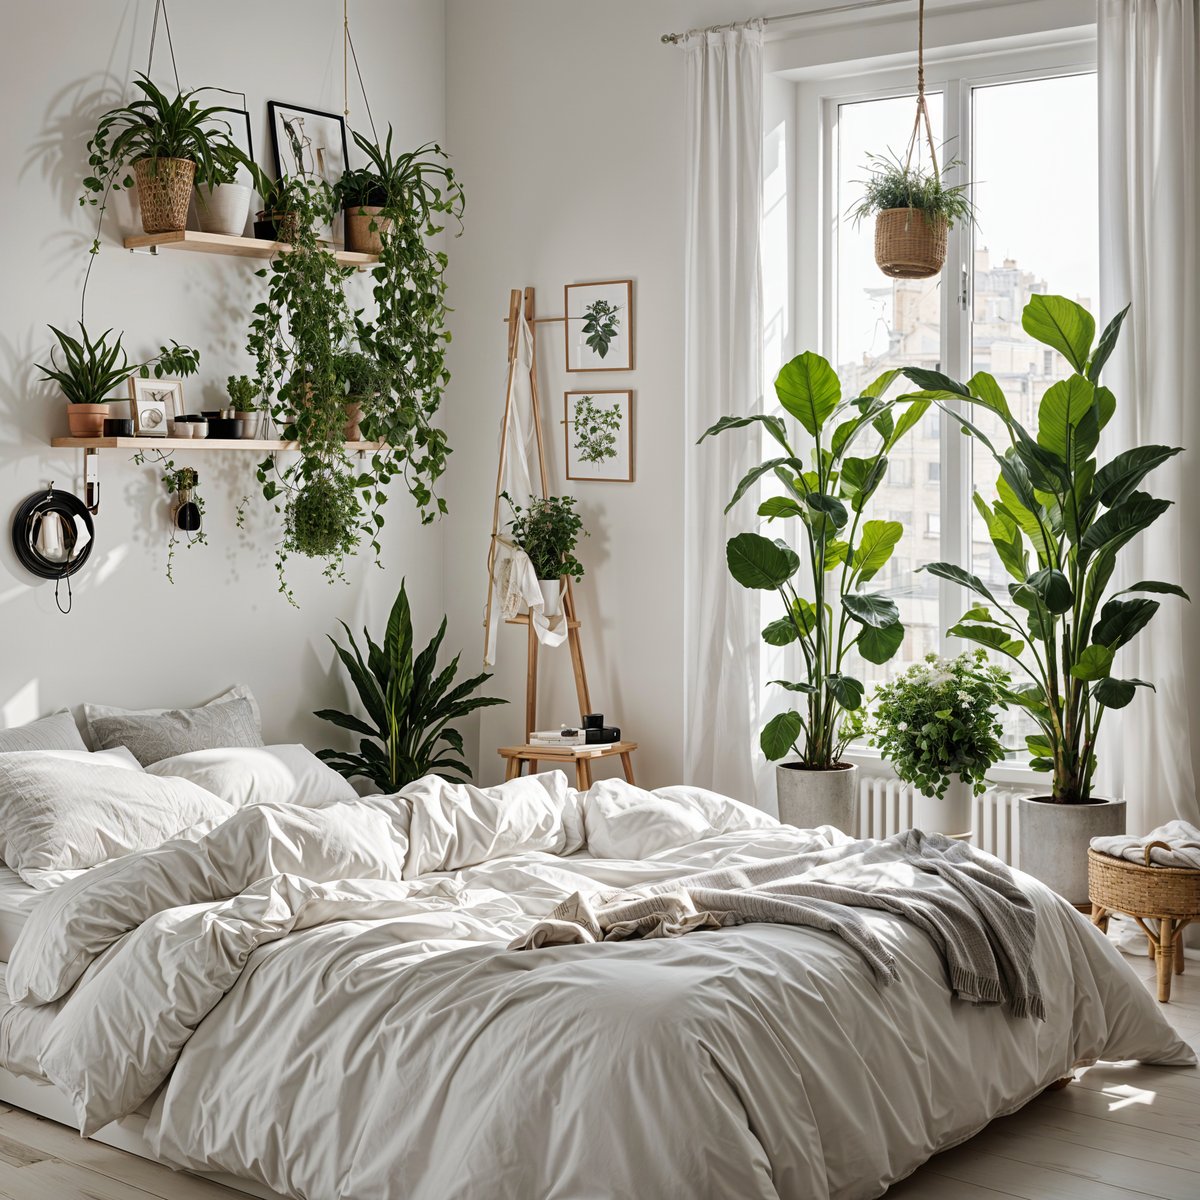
(965, 697)
(902, 726)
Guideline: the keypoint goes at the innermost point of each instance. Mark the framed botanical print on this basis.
(599, 324)
(599, 436)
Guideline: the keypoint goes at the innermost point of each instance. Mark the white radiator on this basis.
(885, 807)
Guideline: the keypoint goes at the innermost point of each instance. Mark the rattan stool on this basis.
(1167, 897)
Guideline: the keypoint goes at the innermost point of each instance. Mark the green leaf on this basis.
(757, 562)
(1054, 589)
(808, 388)
(847, 691)
(935, 381)
(1106, 345)
(773, 425)
(756, 473)
(779, 506)
(988, 635)
(875, 546)
(988, 392)
(1154, 585)
(1117, 479)
(955, 574)
(1123, 522)
(911, 415)
(1006, 538)
(806, 688)
(880, 384)
(1094, 662)
(780, 632)
(1062, 324)
(835, 554)
(879, 644)
(828, 506)
(1122, 620)
(1062, 408)
(873, 608)
(1116, 693)
(779, 734)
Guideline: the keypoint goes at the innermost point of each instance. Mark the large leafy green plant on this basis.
(408, 706)
(826, 611)
(92, 367)
(1059, 522)
(548, 531)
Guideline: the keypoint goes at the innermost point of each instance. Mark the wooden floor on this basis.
(1119, 1131)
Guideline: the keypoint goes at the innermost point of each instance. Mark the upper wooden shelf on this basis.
(170, 443)
(238, 247)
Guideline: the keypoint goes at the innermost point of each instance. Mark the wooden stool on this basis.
(1166, 897)
(515, 758)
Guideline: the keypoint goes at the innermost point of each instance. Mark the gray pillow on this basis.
(179, 730)
(55, 732)
(93, 712)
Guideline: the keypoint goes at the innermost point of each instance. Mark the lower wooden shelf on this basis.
(170, 443)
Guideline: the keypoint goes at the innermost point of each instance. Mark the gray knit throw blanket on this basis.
(966, 902)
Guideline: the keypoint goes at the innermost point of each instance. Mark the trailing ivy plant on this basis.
(596, 429)
(826, 610)
(1058, 522)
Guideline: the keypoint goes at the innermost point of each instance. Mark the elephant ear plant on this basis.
(827, 610)
(1058, 522)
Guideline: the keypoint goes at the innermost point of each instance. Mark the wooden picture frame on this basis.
(585, 457)
(591, 350)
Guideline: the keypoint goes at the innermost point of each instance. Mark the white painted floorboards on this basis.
(1117, 1133)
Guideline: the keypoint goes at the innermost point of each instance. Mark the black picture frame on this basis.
(274, 110)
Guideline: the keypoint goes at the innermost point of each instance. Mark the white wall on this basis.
(133, 638)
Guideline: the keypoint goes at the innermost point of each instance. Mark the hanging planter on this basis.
(913, 209)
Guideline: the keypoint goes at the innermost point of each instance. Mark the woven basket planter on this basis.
(908, 245)
(165, 191)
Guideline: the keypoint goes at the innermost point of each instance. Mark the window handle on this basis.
(964, 292)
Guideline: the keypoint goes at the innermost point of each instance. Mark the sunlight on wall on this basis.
(24, 706)
(775, 253)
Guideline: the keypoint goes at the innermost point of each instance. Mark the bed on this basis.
(321, 1003)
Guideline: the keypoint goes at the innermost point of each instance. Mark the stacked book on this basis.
(559, 738)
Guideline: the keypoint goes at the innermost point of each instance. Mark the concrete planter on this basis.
(223, 209)
(950, 815)
(1054, 841)
(810, 798)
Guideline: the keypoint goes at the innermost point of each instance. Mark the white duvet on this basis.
(321, 999)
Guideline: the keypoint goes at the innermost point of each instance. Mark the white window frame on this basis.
(954, 75)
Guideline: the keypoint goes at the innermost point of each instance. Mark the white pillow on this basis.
(55, 732)
(260, 775)
(96, 712)
(118, 756)
(59, 814)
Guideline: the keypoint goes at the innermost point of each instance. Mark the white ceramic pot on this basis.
(810, 798)
(1054, 840)
(223, 209)
(950, 815)
(551, 596)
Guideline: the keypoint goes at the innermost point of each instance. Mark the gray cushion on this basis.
(93, 712)
(152, 738)
(55, 732)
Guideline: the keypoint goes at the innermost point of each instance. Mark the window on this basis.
(1028, 120)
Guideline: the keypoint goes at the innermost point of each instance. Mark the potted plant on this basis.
(548, 531)
(93, 367)
(839, 553)
(407, 706)
(223, 204)
(913, 210)
(1059, 522)
(276, 220)
(322, 518)
(936, 724)
(243, 399)
(359, 378)
(167, 140)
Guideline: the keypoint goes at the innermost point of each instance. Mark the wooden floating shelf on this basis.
(237, 247)
(170, 443)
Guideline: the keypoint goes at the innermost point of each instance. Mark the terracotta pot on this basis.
(164, 192)
(811, 798)
(353, 417)
(87, 420)
(1054, 841)
(360, 237)
(223, 209)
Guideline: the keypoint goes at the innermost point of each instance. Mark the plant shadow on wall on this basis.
(826, 611)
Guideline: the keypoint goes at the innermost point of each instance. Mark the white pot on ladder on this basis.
(552, 590)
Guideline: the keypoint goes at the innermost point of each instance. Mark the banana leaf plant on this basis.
(408, 707)
(826, 611)
(1058, 522)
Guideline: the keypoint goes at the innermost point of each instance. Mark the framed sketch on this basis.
(239, 133)
(599, 324)
(599, 436)
(311, 144)
(154, 405)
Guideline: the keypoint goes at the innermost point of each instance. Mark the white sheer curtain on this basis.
(1150, 256)
(722, 374)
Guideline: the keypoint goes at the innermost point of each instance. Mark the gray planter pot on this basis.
(811, 798)
(1054, 841)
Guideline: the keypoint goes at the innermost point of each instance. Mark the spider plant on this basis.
(418, 183)
(894, 184)
(408, 704)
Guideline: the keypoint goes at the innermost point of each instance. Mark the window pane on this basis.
(883, 323)
(1035, 170)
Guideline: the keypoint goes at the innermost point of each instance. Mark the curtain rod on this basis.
(675, 38)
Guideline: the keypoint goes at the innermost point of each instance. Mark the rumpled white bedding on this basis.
(323, 1002)
(1182, 837)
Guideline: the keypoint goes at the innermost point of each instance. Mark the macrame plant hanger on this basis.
(909, 245)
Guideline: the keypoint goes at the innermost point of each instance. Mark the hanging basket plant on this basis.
(914, 209)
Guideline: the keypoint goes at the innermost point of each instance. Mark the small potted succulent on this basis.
(936, 724)
(92, 368)
(243, 399)
(548, 531)
(168, 142)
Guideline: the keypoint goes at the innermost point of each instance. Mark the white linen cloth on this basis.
(1182, 837)
(314, 1015)
(516, 588)
(722, 374)
(1149, 60)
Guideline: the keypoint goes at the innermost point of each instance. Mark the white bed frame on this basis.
(45, 1100)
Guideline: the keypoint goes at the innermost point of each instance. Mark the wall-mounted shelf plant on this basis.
(236, 247)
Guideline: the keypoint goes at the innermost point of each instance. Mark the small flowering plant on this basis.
(938, 719)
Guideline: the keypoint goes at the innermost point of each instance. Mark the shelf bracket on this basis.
(151, 250)
(91, 479)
